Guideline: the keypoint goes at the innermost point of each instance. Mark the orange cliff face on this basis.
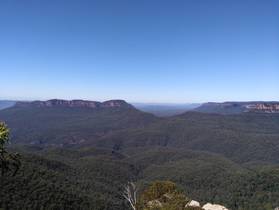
(75, 103)
(264, 107)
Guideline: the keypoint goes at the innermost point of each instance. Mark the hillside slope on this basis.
(64, 124)
(6, 104)
(243, 138)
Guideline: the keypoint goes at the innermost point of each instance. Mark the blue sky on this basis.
(173, 51)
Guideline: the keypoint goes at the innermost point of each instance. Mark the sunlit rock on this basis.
(210, 206)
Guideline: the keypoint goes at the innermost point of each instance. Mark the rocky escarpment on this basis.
(75, 103)
(239, 107)
(263, 107)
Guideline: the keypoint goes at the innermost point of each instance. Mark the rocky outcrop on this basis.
(115, 103)
(193, 203)
(264, 107)
(210, 206)
(207, 206)
(239, 107)
(75, 103)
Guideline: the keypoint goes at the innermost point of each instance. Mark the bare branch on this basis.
(130, 194)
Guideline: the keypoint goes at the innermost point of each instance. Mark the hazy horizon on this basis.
(140, 51)
(139, 103)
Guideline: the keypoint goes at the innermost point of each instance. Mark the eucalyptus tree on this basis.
(9, 162)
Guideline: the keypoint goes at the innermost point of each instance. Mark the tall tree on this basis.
(9, 162)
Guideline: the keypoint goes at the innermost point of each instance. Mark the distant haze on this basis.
(164, 109)
(6, 104)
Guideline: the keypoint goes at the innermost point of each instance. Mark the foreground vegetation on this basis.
(95, 179)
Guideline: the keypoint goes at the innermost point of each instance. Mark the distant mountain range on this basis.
(62, 122)
(158, 109)
(117, 125)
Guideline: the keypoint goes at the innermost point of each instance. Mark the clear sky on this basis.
(140, 50)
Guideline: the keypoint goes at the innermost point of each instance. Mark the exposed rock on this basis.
(115, 103)
(210, 206)
(264, 107)
(240, 107)
(193, 203)
(60, 103)
(75, 103)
